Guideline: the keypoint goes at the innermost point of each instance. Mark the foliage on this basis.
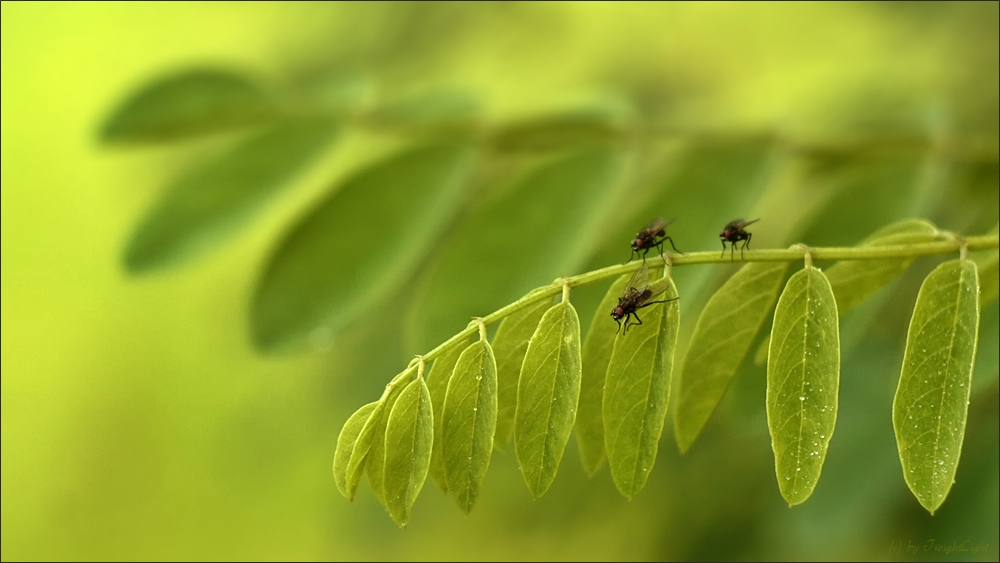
(542, 196)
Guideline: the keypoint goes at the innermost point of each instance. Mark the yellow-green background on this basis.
(138, 422)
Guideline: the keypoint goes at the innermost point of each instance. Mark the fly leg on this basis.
(636, 315)
(655, 302)
(723, 255)
(629, 257)
(746, 243)
(671, 244)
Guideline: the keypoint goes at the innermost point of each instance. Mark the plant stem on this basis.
(795, 253)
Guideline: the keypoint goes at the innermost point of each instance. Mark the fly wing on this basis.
(740, 223)
(657, 225)
(638, 281)
(657, 287)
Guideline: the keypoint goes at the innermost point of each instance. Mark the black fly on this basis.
(647, 238)
(733, 233)
(637, 295)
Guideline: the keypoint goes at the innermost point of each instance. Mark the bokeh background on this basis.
(139, 420)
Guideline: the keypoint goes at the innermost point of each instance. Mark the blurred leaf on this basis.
(212, 201)
(509, 346)
(375, 465)
(455, 112)
(637, 393)
(597, 349)
(987, 366)
(559, 130)
(347, 442)
(728, 325)
(409, 435)
(189, 104)
(358, 245)
(547, 394)
(803, 377)
(437, 383)
(538, 229)
(469, 420)
(930, 409)
(988, 280)
(872, 190)
(760, 356)
(854, 281)
(704, 187)
(986, 265)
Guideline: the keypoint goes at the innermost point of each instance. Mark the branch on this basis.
(796, 252)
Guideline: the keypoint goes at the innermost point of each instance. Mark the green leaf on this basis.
(930, 409)
(509, 346)
(988, 280)
(637, 392)
(434, 112)
(188, 104)
(358, 245)
(870, 190)
(557, 131)
(987, 367)
(469, 422)
(760, 356)
(547, 394)
(541, 227)
(409, 436)
(212, 201)
(722, 337)
(437, 383)
(375, 464)
(357, 464)
(803, 378)
(597, 349)
(347, 444)
(854, 281)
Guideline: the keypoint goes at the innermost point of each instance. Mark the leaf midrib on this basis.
(472, 442)
(944, 387)
(649, 386)
(548, 414)
(802, 388)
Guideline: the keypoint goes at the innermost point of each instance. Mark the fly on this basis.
(637, 295)
(647, 238)
(733, 233)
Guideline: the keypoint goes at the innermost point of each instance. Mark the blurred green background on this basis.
(140, 422)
